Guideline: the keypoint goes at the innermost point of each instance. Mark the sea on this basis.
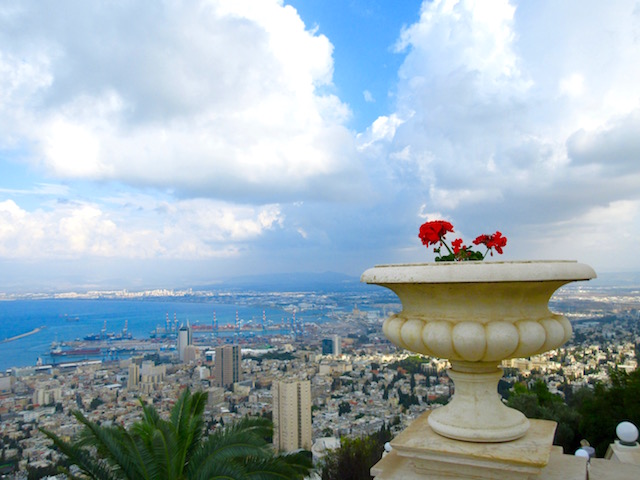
(61, 320)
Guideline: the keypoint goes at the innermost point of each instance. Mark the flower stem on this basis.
(448, 249)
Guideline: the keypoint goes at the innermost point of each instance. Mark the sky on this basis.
(179, 143)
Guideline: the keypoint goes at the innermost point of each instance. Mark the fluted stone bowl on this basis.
(477, 314)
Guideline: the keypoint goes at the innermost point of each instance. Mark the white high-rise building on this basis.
(337, 345)
(184, 340)
(291, 415)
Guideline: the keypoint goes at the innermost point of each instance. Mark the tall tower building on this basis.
(291, 415)
(332, 346)
(190, 354)
(227, 368)
(134, 376)
(327, 346)
(184, 340)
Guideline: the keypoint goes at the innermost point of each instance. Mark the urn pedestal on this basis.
(477, 314)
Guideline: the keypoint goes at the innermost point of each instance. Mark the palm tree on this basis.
(176, 449)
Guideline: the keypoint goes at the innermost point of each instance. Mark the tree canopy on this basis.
(177, 449)
(589, 413)
(355, 457)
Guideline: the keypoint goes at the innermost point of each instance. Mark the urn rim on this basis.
(477, 271)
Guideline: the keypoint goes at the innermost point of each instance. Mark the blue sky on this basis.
(169, 144)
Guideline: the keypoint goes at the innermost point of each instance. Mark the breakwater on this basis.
(22, 335)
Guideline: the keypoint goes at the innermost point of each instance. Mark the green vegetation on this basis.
(590, 414)
(36, 473)
(271, 356)
(538, 402)
(344, 407)
(604, 407)
(355, 457)
(406, 400)
(411, 365)
(155, 448)
(95, 403)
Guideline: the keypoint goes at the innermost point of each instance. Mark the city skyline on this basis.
(180, 144)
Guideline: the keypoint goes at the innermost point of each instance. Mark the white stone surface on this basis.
(627, 432)
(471, 272)
(476, 413)
(619, 452)
(477, 314)
(420, 453)
(477, 311)
(601, 469)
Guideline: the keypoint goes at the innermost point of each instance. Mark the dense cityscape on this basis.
(349, 378)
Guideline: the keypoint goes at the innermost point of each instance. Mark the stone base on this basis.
(560, 467)
(601, 469)
(476, 412)
(420, 453)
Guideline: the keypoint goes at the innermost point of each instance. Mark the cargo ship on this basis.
(110, 336)
(197, 327)
(75, 352)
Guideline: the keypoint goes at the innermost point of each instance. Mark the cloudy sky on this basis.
(176, 143)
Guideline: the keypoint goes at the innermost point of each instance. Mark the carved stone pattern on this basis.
(475, 342)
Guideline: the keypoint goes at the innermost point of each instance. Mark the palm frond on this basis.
(149, 414)
(175, 449)
(275, 468)
(259, 426)
(186, 419)
(113, 444)
(243, 444)
(300, 462)
(88, 464)
(159, 449)
(218, 471)
(144, 458)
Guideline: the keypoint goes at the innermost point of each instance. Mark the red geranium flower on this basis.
(484, 238)
(457, 245)
(496, 241)
(433, 232)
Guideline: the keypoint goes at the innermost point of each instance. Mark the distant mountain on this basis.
(333, 281)
(292, 282)
(617, 279)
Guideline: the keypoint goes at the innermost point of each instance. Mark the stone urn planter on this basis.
(477, 314)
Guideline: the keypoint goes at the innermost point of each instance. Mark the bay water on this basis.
(70, 319)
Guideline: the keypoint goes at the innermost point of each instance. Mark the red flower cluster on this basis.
(457, 246)
(496, 241)
(433, 233)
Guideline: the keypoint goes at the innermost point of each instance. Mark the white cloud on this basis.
(383, 128)
(572, 85)
(368, 96)
(45, 189)
(512, 116)
(603, 234)
(516, 111)
(133, 227)
(222, 99)
(450, 199)
(472, 39)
